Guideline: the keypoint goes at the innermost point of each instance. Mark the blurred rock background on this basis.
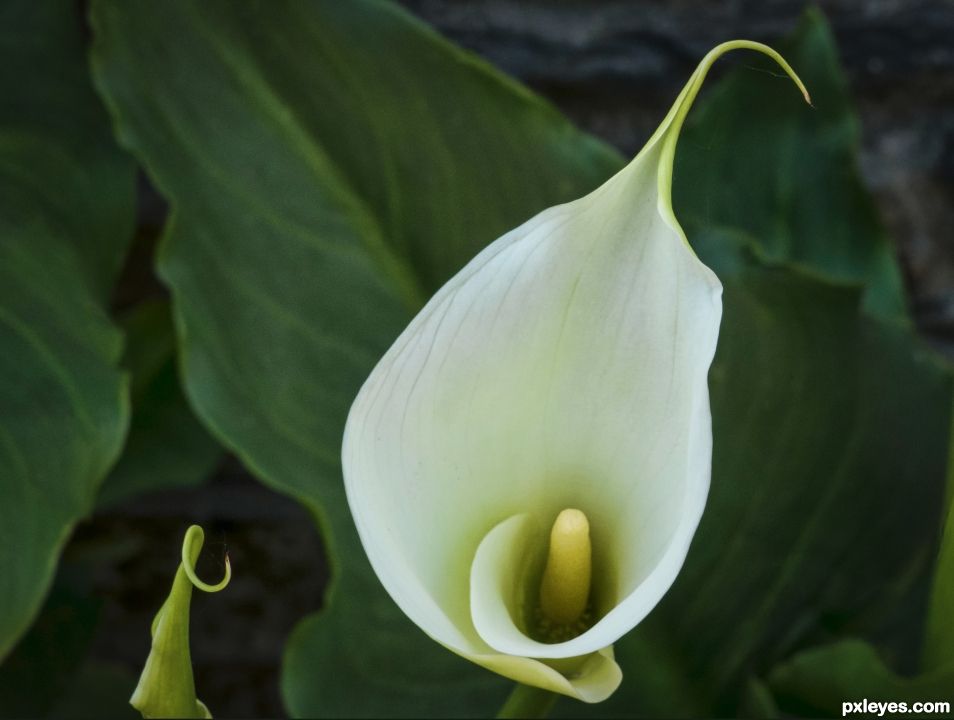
(614, 67)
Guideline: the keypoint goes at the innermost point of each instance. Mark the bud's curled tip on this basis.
(191, 546)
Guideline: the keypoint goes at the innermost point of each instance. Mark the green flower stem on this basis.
(527, 701)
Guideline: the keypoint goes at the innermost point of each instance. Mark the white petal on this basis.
(593, 680)
(565, 366)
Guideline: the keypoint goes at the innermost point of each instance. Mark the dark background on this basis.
(614, 68)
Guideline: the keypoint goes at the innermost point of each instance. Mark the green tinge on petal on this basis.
(166, 687)
(565, 366)
(503, 577)
(591, 681)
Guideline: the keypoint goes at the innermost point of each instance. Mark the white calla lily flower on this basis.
(528, 463)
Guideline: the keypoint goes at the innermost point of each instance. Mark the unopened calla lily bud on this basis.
(528, 463)
(166, 688)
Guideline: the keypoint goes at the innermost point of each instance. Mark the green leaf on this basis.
(50, 672)
(374, 663)
(755, 169)
(167, 446)
(757, 701)
(62, 174)
(321, 190)
(44, 663)
(66, 213)
(830, 440)
(939, 640)
(816, 682)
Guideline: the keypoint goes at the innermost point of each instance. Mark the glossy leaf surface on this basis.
(66, 213)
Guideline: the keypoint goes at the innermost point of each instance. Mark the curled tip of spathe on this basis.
(191, 547)
(766, 50)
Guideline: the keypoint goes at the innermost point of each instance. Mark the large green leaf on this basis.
(756, 168)
(50, 672)
(816, 682)
(167, 446)
(319, 196)
(830, 443)
(66, 212)
(47, 658)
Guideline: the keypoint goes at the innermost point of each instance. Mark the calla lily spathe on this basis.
(564, 367)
